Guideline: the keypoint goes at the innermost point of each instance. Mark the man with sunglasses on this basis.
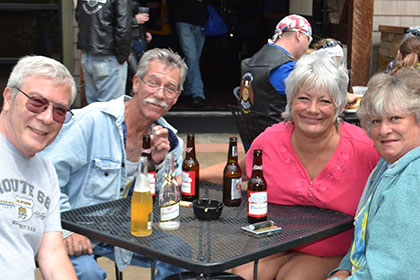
(37, 99)
(267, 69)
(96, 153)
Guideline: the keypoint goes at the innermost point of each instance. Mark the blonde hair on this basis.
(410, 52)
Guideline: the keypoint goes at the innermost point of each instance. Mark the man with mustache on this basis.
(96, 154)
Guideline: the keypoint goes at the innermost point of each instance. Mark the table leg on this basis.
(255, 270)
(152, 269)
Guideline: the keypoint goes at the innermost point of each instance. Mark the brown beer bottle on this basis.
(257, 191)
(151, 175)
(190, 187)
(232, 176)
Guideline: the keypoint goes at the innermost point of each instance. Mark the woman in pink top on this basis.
(313, 158)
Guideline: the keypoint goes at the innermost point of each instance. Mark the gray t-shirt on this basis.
(29, 206)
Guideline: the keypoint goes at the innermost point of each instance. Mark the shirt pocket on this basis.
(103, 180)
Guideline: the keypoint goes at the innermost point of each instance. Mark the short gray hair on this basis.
(166, 56)
(33, 65)
(318, 70)
(388, 95)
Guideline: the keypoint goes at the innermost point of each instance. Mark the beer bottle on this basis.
(232, 176)
(169, 197)
(146, 151)
(190, 187)
(257, 191)
(141, 202)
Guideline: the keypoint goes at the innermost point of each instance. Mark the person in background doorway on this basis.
(190, 16)
(140, 40)
(267, 69)
(161, 24)
(105, 41)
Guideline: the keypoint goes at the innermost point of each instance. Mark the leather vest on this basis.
(266, 103)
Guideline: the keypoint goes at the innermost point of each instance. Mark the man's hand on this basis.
(148, 37)
(160, 144)
(77, 245)
(142, 18)
(341, 274)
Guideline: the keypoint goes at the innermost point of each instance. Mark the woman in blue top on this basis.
(386, 243)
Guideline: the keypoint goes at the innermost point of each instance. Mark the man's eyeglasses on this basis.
(300, 31)
(309, 37)
(168, 91)
(37, 104)
(332, 43)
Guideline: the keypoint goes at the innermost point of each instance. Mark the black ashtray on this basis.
(207, 209)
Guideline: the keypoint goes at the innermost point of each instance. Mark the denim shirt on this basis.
(89, 155)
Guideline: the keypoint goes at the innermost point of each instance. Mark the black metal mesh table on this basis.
(206, 246)
(350, 117)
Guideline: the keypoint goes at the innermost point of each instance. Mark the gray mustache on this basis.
(155, 101)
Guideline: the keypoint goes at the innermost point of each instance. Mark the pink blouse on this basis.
(338, 186)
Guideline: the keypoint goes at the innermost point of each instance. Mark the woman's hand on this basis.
(341, 274)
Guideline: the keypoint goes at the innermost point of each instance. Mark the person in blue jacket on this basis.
(95, 155)
(386, 243)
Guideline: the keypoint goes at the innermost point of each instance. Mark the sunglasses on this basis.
(37, 104)
(330, 44)
(412, 32)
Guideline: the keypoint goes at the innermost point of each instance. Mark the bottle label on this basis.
(188, 149)
(188, 183)
(152, 182)
(150, 221)
(234, 151)
(169, 179)
(257, 204)
(257, 167)
(142, 183)
(146, 151)
(169, 212)
(236, 188)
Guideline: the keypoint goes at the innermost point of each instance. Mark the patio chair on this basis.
(251, 124)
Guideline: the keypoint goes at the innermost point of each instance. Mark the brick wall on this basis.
(391, 37)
